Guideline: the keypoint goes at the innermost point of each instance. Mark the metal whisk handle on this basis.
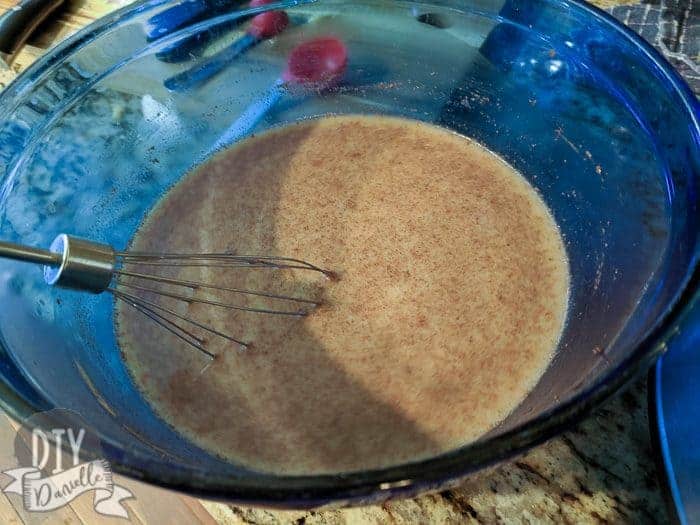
(90, 266)
(71, 262)
(19, 252)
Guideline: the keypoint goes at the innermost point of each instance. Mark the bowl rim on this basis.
(402, 480)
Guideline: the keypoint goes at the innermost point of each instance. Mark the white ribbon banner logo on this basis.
(52, 492)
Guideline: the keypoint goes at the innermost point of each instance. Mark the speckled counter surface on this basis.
(602, 471)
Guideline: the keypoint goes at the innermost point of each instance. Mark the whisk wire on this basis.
(164, 316)
(198, 284)
(149, 304)
(204, 259)
(201, 264)
(211, 302)
(173, 328)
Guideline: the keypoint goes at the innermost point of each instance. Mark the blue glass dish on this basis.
(674, 409)
(595, 119)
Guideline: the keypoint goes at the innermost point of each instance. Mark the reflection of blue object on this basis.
(175, 18)
(191, 46)
(249, 118)
(185, 14)
(210, 66)
(511, 39)
(524, 46)
(52, 273)
(675, 404)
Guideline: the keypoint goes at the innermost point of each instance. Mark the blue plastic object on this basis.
(675, 416)
(210, 66)
(185, 14)
(599, 123)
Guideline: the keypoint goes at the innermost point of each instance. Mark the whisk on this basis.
(80, 264)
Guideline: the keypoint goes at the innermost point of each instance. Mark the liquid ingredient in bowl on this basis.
(451, 299)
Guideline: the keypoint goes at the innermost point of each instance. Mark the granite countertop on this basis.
(601, 471)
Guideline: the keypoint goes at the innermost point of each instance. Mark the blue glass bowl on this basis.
(596, 120)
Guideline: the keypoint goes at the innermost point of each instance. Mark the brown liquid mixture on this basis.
(451, 299)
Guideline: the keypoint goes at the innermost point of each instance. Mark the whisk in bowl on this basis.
(89, 266)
